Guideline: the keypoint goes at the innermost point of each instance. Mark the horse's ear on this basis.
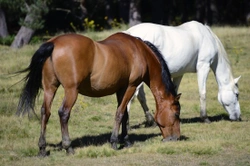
(177, 98)
(236, 80)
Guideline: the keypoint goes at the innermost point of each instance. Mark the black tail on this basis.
(33, 79)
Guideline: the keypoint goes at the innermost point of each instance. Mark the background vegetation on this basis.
(20, 20)
(220, 143)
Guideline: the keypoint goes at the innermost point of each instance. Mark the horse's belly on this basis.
(96, 91)
(101, 86)
(180, 69)
(179, 63)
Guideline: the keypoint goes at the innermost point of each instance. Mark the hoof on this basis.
(43, 153)
(150, 124)
(114, 146)
(150, 120)
(206, 120)
(128, 144)
(70, 151)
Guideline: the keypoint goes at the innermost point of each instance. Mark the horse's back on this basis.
(180, 45)
(98, 68)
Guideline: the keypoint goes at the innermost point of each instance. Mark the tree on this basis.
(33, 21)
(3, 26)
(134, 13)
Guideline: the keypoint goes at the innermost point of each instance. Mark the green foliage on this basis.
(89, 24)
(36, 10)
(36, 40)
(7, 40)
(11, 5)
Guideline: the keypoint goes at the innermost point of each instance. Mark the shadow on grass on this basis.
(101, 139)
(211, 118)
(98, 140)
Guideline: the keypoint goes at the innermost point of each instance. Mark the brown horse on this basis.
(117, 64)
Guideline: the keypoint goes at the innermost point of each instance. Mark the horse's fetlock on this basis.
(113, 139)
(66, 143)
(42, 142)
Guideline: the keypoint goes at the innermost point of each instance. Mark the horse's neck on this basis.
(160, 93)
(223, 73)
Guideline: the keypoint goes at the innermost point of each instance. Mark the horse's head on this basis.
(168, 119)
(229, 99)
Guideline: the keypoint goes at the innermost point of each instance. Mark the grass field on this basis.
(220, 143)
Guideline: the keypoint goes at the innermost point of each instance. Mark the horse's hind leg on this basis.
(142, 99)
(49, 93)
(64, 114)
(50, 85)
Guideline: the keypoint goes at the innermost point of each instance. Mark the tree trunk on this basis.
(134, 13)
(3, 25)
(24, 34)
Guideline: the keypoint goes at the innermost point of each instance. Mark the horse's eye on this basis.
(237, 96)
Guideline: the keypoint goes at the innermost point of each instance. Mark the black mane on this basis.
(166, 76)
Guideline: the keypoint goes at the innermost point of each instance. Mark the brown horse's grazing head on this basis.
(167, 114)
(168, 119)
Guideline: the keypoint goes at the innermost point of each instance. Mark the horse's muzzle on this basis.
(235, 117)
(170, 138)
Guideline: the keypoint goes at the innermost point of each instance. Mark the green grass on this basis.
(219, 143)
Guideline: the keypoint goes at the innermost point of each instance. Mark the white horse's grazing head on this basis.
(229, 99)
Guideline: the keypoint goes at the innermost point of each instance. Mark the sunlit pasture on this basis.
(221, 142)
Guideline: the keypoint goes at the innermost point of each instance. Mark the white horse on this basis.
(192, 47)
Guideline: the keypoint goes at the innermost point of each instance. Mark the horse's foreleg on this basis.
(177, 81)
(142, 99)
(64, 114)
(202, 73)
(45, 114)
(123, 97)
